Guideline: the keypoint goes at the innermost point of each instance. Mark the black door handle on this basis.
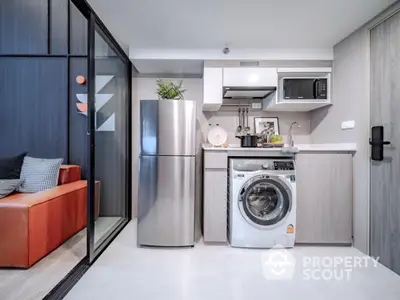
(377, 142)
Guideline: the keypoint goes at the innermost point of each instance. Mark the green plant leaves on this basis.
(167, 89)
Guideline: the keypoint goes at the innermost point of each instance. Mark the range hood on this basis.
(248, 84)
(247, 92)
(230, 87)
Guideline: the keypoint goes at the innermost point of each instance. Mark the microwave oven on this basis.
(305, 89)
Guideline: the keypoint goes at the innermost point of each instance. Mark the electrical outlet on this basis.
(348, 124)
(256, 105)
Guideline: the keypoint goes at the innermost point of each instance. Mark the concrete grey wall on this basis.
(351, 101)
(145, 88)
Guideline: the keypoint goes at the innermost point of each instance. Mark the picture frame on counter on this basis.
(262, 123)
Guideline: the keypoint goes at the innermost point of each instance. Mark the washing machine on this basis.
(262, 202)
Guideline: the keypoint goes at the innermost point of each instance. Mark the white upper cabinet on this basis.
(212, 89)
(297, 89)
(248, 77)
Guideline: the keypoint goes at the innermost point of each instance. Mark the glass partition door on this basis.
(109, 138)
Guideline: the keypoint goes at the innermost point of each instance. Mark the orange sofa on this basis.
(33, 225)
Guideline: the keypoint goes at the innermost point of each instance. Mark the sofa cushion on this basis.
(10, 167)
(38, 174)
(7, 186)
(68, 174)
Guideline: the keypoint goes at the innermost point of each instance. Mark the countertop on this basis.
(335, 147)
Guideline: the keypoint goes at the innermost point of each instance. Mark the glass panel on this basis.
(111, 138)
(298, 89)
(265, 202)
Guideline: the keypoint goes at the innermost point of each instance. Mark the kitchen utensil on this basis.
(217, 136)
(247, 129)
(248, 141)
(244, 121)
(239, 128)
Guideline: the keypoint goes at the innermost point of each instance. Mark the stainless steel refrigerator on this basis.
(166, 204)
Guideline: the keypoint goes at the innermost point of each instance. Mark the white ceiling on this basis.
(241, 24)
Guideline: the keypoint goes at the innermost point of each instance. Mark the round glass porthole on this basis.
(265, 201)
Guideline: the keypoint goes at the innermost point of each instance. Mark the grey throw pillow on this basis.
(7, 186)
(38, 174)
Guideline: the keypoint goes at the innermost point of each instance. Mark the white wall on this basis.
(351, 101)
(145, 89)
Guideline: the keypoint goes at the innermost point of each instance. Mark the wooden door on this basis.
(385, 111)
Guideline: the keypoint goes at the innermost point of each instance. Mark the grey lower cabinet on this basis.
(215, 197)
(324, 184)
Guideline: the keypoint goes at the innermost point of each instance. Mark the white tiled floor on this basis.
(220, 272)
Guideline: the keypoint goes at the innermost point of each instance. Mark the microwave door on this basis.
(299, 89)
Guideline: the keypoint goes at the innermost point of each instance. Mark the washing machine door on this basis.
(265, 200)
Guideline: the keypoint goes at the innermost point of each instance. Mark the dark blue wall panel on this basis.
(33, 107)
(78, 32)
(59, 26)
(23, 26)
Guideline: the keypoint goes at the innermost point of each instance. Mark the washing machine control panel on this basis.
(283, 165)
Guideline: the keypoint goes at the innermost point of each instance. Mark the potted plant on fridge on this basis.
(168, 90)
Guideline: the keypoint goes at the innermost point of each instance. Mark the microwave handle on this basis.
(315, 88)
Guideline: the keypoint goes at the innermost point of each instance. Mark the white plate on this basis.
(217, 136)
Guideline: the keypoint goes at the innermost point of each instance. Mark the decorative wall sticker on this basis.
(100, 101)
(82, 107)
(108, 125)
(80, 80)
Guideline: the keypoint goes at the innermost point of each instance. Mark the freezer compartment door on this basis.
(168, 127)
(166, 201)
